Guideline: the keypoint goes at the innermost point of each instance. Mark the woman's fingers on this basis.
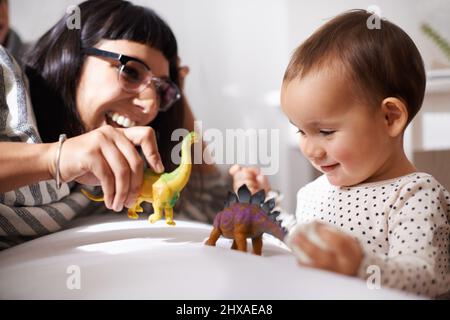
(107, 156)
(126, 164)
(121, 171)
(136, 166)
(146, 138)
(102, 171)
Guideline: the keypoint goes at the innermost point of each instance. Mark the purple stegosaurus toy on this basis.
(246, 216)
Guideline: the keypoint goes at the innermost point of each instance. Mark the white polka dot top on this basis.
(402, 225)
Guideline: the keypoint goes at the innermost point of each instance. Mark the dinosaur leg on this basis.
(169, 216)
(132, 212)
(241, 241)
(213, 237)
(234, 245)
(157, 215)
(257, 245)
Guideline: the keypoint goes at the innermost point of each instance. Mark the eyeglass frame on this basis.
(123, 59)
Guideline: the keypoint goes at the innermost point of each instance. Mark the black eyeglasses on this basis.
(135, 76)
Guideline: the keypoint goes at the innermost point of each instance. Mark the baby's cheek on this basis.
(352, 169)
(347, 155)
(301, 145)
(355, 162)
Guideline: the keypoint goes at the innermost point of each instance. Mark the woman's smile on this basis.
(116, 119)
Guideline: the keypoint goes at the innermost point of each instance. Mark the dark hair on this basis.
(380, 62)
(54, 66)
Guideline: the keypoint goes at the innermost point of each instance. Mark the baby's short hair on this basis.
(380, 63)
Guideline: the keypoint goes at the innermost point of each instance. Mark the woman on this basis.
(109, 86)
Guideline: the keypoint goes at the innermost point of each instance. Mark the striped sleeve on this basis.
(39, 208)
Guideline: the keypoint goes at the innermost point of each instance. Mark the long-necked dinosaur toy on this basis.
(162, 190)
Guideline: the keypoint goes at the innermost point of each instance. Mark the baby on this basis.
(351, 91)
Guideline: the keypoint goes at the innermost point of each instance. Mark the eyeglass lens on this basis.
(134, 77)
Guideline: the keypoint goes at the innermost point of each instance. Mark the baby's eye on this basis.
(326, 132)
(301, 132)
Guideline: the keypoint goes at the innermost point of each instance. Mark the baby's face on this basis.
(341, 136)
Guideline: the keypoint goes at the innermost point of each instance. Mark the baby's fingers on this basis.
(318, 258)
(234, 168)
(237, 169)
(348, 251)
(263, 182)
(339, 242)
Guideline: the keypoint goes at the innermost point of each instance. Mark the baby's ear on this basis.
(395, 114)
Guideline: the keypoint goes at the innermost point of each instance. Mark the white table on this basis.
(117, 258)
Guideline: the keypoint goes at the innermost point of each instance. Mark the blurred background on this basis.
(237, 52)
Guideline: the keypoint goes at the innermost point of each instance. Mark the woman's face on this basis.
(100, 97)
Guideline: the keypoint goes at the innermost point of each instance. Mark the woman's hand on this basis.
(107, 156)
(250, 176)
(333, 251)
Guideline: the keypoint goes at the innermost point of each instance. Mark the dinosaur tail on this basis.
(91, 196)
(274, 228)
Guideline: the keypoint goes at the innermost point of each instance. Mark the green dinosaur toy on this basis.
(162, 190)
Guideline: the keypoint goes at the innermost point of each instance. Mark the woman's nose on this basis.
(147, 99)
(146, 104)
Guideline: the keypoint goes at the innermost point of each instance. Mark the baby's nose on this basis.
(315, 152)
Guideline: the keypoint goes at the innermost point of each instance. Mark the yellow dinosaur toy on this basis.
(162, 190)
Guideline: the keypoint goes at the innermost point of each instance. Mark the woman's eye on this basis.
(131, 74)
(326, 132)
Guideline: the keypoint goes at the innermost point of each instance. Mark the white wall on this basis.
(238, 49)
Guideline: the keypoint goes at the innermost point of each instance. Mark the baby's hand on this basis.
(321, 246)
(252, 177)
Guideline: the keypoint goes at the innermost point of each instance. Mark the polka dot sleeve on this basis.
(417, 259)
